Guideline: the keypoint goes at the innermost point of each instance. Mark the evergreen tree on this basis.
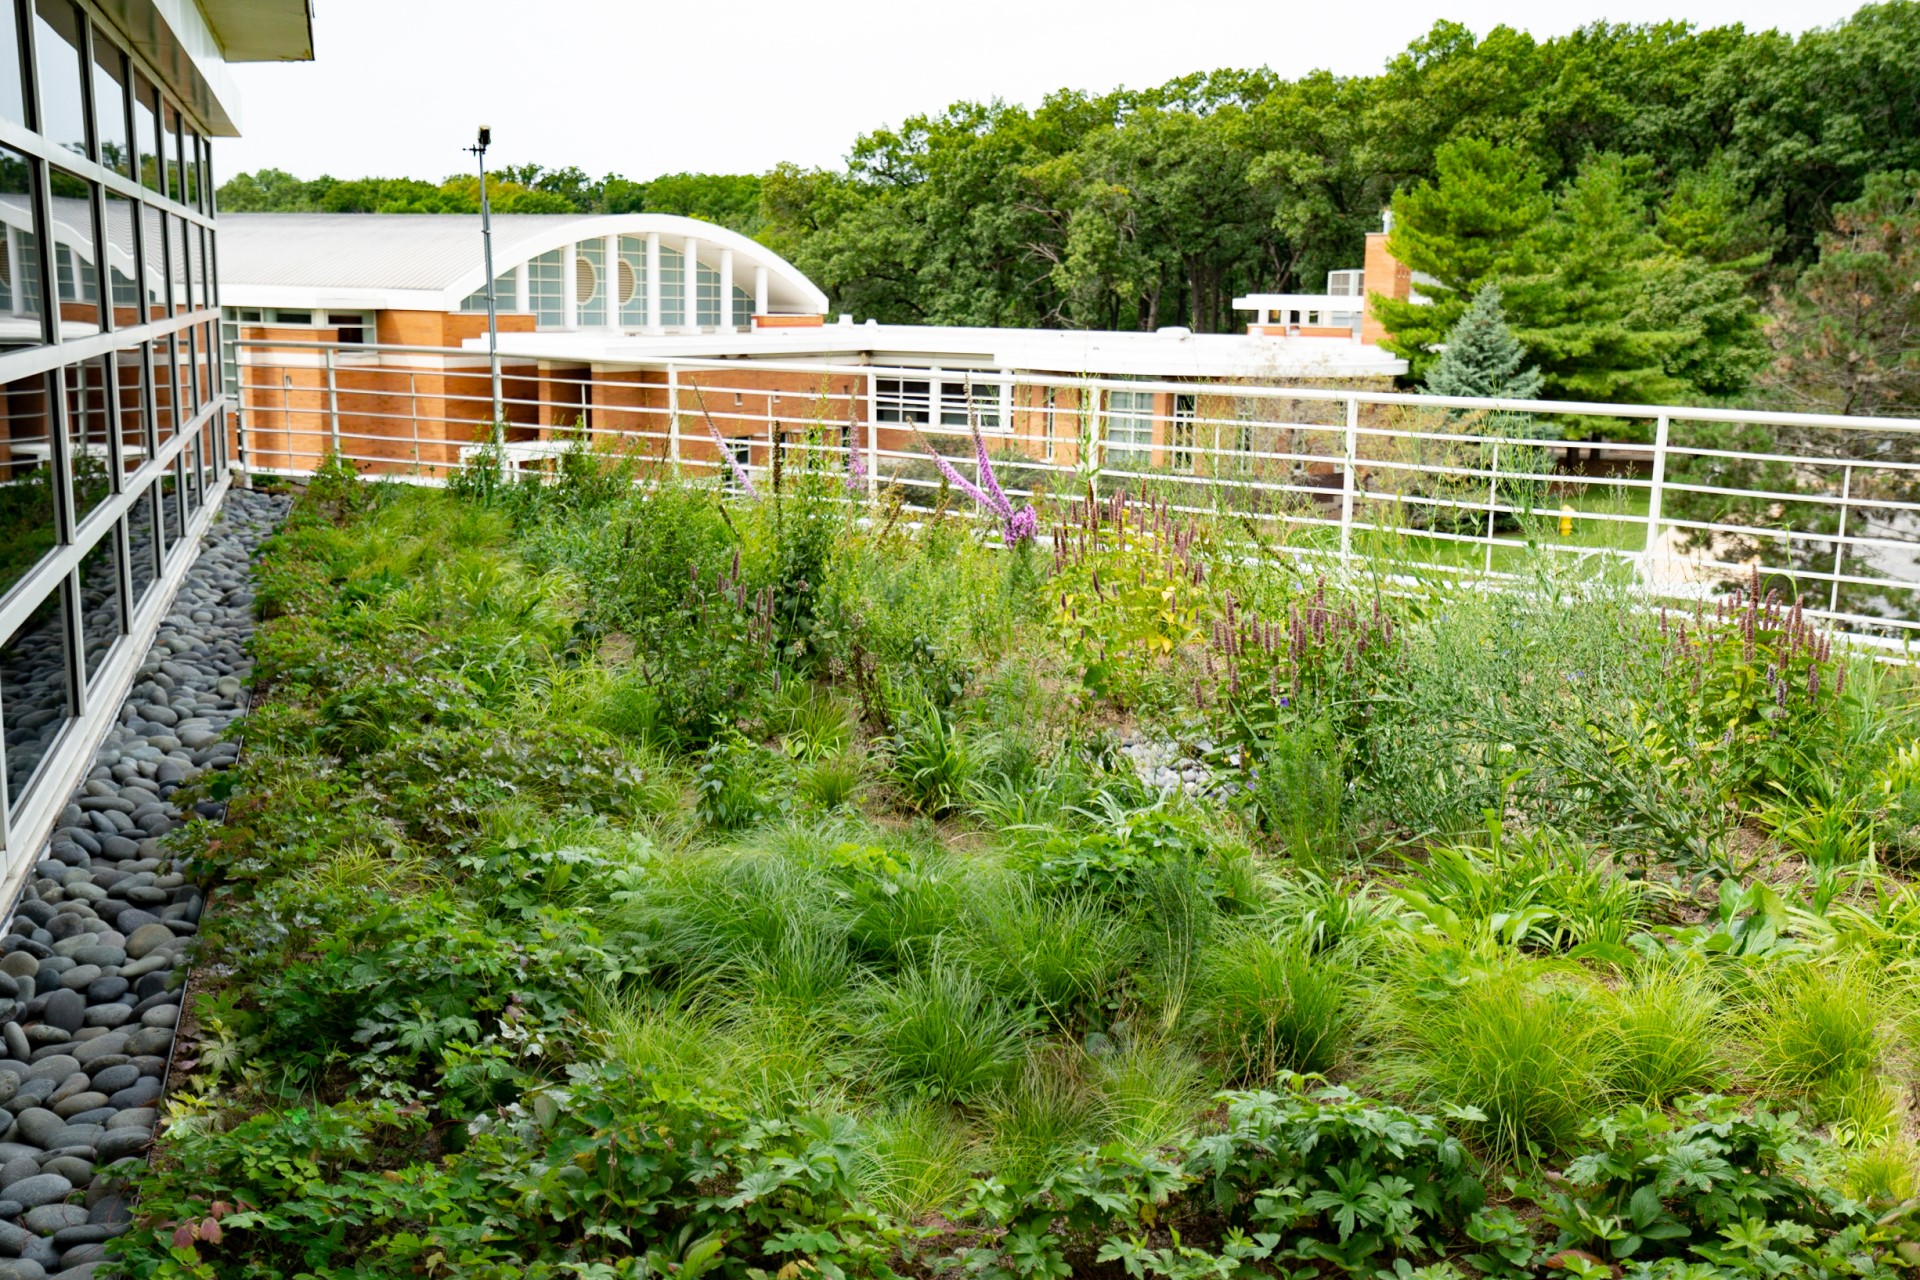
(1847, 337)
(1482, 357)
(1469, 226)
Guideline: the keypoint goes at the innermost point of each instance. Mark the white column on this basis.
(759, 291)
(569, 293)
(726, 291)
(933, 400)
(610, 280)
(522, 296)
(690, 285)
(653, 282)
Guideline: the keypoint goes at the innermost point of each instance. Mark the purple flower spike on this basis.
(856, 466)
(740, 477)
(955, 479)
(996, 501)
(1015, 526)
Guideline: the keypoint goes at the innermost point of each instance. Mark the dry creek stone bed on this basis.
(96, 952)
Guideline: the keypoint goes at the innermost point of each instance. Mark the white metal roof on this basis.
(1062, 351)
(432, 261)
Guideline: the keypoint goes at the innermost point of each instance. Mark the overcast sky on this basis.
(642, 89)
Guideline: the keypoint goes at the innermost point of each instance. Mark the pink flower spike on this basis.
(953, 477)
(996, 500)
(856, 466)
(740, 477)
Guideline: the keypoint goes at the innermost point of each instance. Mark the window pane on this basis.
(630, 284)
(190, 474)
(110, 104)
(165, 403)
(169, 150)
(88, 429)
(100, 617)
(169, 491)
(26, 496)
(209, 383)
(76, 255)
(192, 394)
(197, 239)
(141, 553)
(190, 161)
(56, 45)
(146, 133)
(33, 692)
(707, 284)
(185, 397)
(1129, 427)
(206, 171)
(177, 267)
(673, 309)
(21, 285)
(153, 248)
(589, 277)
(122, 265)
(13, 97)
(544, 289)
(130, 371)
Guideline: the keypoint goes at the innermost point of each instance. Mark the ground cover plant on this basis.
(632, 881)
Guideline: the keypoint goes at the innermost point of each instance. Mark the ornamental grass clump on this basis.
(1515, 1047)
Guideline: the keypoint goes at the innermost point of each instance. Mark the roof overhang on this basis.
(1060, 352)
(331, 298)
(189, 45)
(262, 30)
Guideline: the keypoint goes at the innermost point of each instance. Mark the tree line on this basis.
(1648, 199)
(731, 200)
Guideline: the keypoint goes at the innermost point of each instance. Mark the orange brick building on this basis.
(643, 329)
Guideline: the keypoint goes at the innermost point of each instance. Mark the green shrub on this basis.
(1297, 786)
(1752, 1194)
(933, 761)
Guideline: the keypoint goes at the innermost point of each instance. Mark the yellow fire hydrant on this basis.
(1566, 521)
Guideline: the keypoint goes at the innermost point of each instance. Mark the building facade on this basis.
(115, 435)
(619, 326)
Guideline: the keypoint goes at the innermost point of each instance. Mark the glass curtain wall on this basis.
(106, 245)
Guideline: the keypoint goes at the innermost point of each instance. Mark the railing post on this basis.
(1493, 502)
(1348, 480)
(873, 436)
(1654, 496)
(1096, 437)
(1840, 541)
(673, 416)
(333, 403)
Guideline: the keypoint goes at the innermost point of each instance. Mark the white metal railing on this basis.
(1693, 498)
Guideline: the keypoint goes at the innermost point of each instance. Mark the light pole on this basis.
(479, 149)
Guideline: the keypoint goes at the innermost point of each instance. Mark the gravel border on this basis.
(96, 953)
